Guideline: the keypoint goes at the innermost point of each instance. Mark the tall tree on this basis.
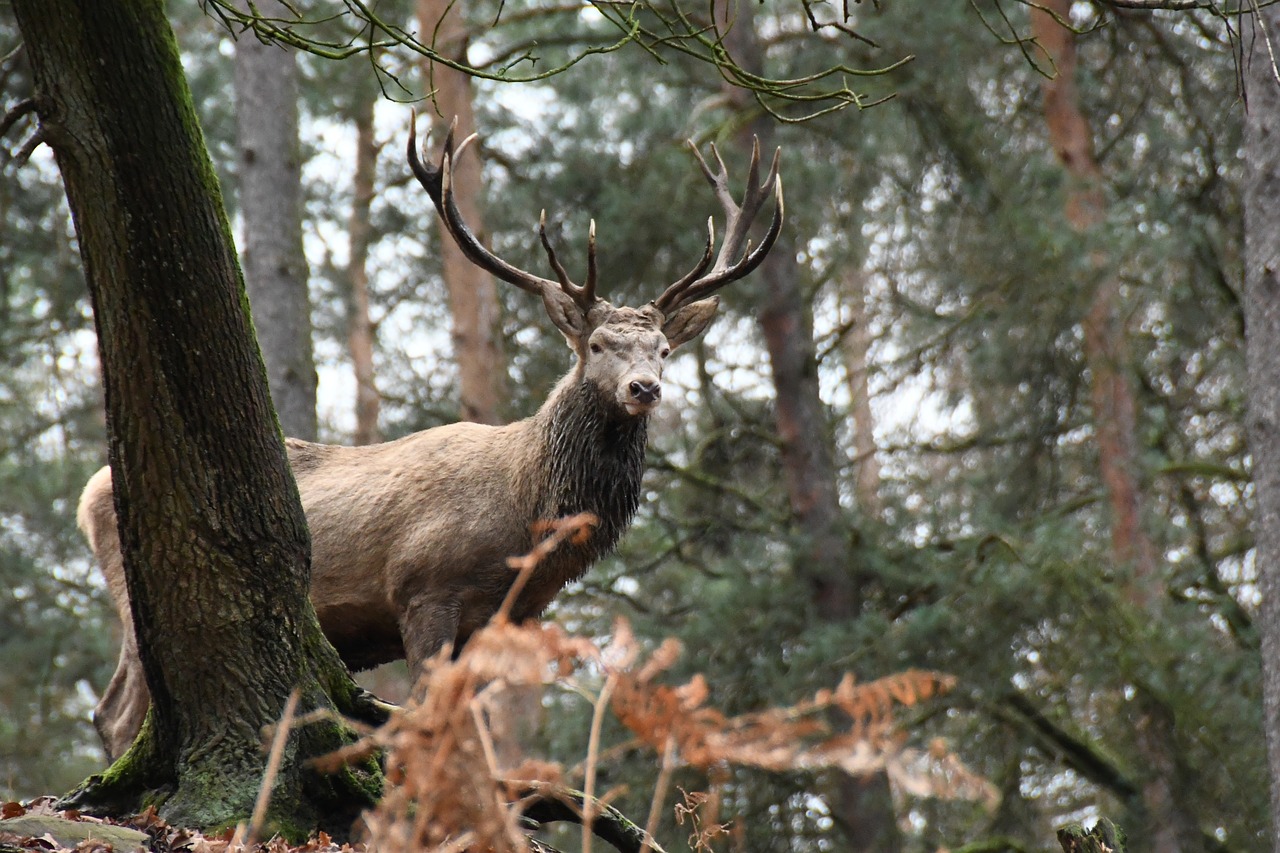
(1262, 337)
(824, 559)
(1114, 414)
(214, 541)
(361, 333)
(270, 187)
(473, 297)
(856, 349)
(1104, 333)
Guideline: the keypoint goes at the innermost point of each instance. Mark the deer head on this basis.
(621, 349)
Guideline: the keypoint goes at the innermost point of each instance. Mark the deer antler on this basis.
(438, 182)
(697, 285)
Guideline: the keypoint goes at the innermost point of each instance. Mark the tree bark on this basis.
(215, 545)
(1262, 351)
(275, 267)
(1170, 821)
(473, 296)
(360, 328)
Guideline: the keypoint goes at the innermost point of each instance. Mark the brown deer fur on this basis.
(410, 537)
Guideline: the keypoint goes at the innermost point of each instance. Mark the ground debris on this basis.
(40, 826)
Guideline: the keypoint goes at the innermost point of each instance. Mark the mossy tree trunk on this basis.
(216, 549)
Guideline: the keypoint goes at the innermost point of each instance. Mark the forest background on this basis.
(1030, 461)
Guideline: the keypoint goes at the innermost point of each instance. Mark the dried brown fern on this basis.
(449, 791)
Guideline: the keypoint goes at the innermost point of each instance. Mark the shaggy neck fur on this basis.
(595, 459)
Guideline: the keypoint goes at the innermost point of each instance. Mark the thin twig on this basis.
(17, 111)
(1166, 5)
(1266, 39)
(593, 754)
(28, 148)
(565, 528)
(274, 758)
(660, 793)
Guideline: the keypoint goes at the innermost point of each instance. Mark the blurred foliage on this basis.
(56, 633)
(991, 559)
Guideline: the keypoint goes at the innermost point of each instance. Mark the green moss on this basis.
(210, 800)
(340, 796)
(221, 792)
(136, 780)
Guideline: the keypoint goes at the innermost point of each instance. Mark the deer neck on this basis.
(594, 462)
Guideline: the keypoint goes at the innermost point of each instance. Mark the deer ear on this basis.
(690, 321)
(565, 313)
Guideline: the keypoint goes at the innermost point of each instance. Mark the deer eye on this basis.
(664, 352)
(596, 348)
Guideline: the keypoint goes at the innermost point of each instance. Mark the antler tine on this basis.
(584, 296)
(666, 302)
(753, 170)
(752, 259)
(560, 272)
(438, 182)
(738, 219)
(589, 289)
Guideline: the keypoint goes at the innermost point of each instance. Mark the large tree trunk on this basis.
(360, 329)
(1262, 340)
(215, 545)
(1170, 821)
(275, 268)
(825, 562)
(473, 297)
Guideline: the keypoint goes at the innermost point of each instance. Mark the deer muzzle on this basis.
(642, 395)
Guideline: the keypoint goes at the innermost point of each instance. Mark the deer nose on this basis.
(645, 392)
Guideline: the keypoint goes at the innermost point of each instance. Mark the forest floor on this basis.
(40, 826)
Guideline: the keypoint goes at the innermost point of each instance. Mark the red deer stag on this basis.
(409, 539)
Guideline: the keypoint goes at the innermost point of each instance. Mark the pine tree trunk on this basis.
(808, 460)
(1262, 343)
(360, 330)
(861, 806)
(275, 268)
(215, 545)
(473, 296)
(1169, 820)
(825, 562)
(1114, 411)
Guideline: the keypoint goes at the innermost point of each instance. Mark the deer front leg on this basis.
(427, 624)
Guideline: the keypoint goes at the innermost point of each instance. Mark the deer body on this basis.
(406, 559)
(410, 538)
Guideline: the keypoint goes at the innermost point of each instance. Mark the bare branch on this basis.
(28, 148)
(1168, 5)
(16, 112)
(365, 32)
